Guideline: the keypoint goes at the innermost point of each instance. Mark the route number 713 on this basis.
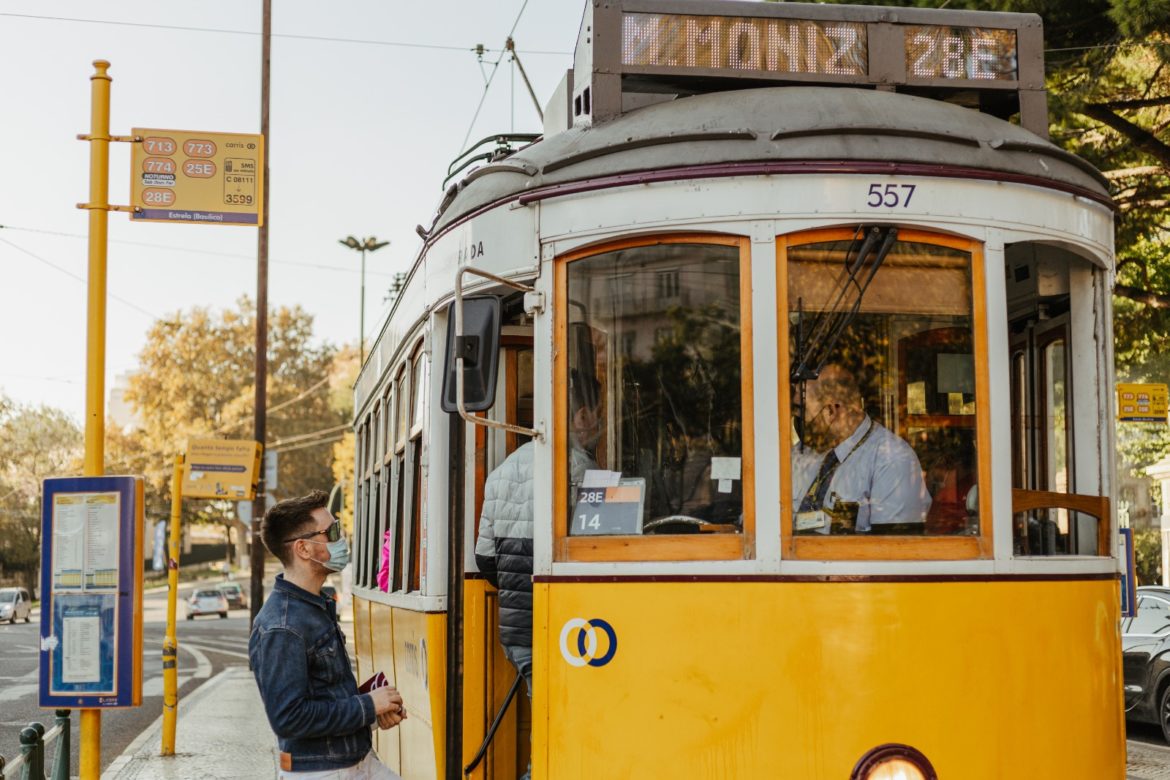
(890, 196)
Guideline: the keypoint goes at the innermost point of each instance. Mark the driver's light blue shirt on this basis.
(882, 474)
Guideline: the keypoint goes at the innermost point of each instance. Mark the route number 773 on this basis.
(890, 196)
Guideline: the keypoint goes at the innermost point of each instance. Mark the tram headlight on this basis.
(893, 762)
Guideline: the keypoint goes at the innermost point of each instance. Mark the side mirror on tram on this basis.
(480, 349)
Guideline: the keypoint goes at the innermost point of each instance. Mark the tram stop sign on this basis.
(196, 177)
(1141, 402)
(221, 468)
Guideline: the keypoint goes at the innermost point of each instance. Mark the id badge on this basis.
(811, 521)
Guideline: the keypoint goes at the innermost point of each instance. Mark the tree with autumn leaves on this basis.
(195, 380)
(35, 443)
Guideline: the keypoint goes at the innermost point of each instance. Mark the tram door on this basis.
(1041, 394)
(488, 674)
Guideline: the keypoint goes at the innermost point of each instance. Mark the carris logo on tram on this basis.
(585, 649)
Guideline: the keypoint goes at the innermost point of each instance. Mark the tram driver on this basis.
(850, 473)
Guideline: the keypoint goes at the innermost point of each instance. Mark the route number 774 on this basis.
(889, 195)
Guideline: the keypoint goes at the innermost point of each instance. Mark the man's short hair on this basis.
(287, 519)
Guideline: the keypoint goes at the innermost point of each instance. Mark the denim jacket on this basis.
(297, 652)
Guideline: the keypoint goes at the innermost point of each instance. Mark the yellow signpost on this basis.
(221, 468)
(176, 176)
(1141, 402)
(170, 651)
(197, 177)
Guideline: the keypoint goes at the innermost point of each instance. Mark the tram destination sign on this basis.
(744, 45)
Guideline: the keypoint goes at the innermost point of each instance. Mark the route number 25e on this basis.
(890, 196)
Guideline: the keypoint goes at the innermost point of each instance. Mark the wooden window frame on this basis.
(388, 433)
(683, 547)
(889, 548)
(410, 473)
(1061, 332)
(359, 531)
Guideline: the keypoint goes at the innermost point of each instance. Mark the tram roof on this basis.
(788, 129)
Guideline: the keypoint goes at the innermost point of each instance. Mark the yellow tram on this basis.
(731, 201)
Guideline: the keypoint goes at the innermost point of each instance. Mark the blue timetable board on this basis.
(1128, 579)
(91, 592)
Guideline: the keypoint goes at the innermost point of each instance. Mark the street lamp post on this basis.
(368, 244)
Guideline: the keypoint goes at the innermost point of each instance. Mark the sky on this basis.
(362, 129)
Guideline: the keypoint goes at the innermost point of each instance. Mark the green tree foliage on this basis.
(1108, 79)
(345, 371)
(195, 380)
(35, 443)
(1147, 557)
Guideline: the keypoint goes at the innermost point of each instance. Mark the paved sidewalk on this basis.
(222, 733)
(1147, 762)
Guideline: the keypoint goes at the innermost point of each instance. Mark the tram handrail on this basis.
(1097, 506)
(487, 740)
(501, 426)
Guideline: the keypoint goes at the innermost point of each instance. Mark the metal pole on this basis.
(362, 320)
(95, 362)
(170, 651)
(260, 424)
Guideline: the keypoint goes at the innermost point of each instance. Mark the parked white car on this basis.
(207, 601)
(15, 603)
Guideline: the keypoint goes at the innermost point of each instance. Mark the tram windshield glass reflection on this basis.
(654, 343)
(883, 387)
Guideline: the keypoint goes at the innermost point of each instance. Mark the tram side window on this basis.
(359, 520)
(1041, 284)
(418, 484)
(367, 514)
(655, 411)
(402, 427)
(883, 387)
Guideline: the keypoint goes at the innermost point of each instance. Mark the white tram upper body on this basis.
(989, 353)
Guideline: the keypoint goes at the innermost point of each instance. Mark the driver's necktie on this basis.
(815, 497)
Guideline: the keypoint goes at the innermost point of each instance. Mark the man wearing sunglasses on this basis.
(297, 652)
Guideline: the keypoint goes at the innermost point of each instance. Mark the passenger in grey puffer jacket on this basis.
(503, 550)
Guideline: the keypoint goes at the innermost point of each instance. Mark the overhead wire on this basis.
(81, 279)
(292, 36)
(193, 250)
(303, 436)
(282, 405)
(330, 440)
(488, 85)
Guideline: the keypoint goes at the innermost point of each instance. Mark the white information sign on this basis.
(81, 656)
(68, 540)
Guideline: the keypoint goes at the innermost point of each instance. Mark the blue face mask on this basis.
(338, 555)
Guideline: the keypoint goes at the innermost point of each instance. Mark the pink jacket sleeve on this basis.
(384, 569)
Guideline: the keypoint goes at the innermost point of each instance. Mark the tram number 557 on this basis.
(890, 195)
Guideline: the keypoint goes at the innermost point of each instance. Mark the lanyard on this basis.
(815, 495)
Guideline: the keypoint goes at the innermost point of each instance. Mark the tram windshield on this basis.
(883, 388)
(655, 402)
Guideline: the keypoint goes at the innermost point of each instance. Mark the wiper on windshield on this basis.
(814, 348)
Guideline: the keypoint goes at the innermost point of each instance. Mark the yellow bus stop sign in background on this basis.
(1141, 402)
(196, 177)
(221, 468)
